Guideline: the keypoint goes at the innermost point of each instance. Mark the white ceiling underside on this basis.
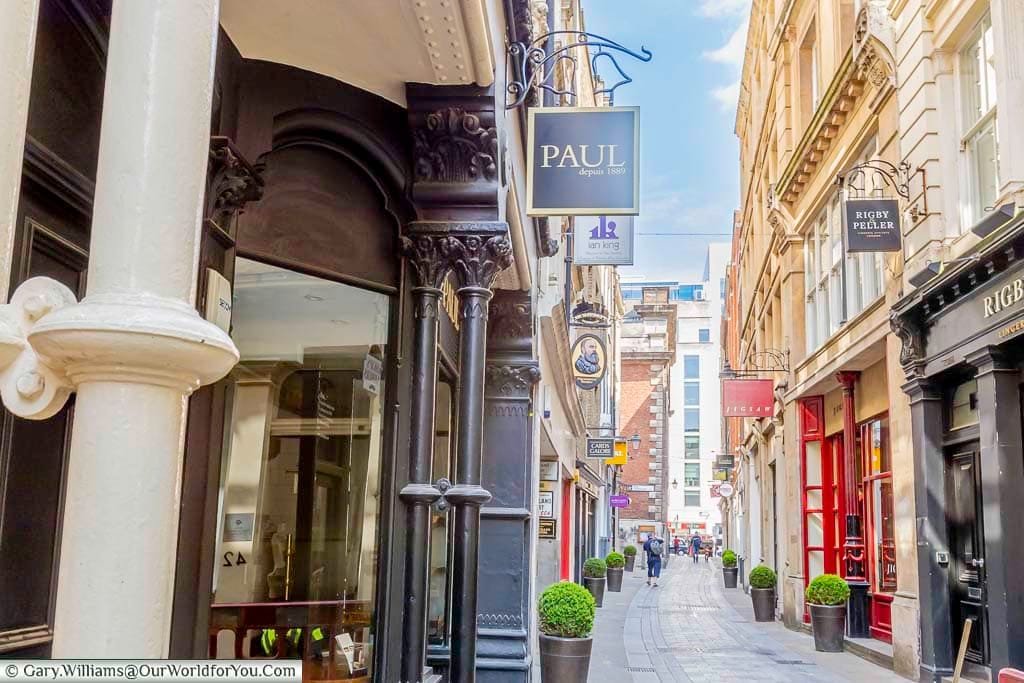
(375, 45)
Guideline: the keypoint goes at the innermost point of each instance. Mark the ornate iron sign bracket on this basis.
(881, 173)
(769, 360)
(534, 67)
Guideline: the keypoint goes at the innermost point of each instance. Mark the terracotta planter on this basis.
(564, 660)
(829, 625)
(596, 588)
(764, 603)
(630, 563)
(615, 580)
(731, 576)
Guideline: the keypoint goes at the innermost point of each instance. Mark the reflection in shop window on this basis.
(964, 405)
(297, 551)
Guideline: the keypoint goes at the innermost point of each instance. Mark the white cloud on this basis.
(723, 8)
(677, 211)
(732, 52)
(727, 96)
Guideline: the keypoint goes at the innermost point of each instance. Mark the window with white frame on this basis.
(829, 301)
(978, 141)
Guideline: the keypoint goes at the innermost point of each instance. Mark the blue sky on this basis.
(687, 98)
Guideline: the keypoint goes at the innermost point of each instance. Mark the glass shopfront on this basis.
(296, 559)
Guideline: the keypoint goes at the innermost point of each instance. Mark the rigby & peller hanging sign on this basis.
(583, 161)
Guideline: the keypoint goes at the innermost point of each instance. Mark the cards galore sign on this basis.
(583, 161)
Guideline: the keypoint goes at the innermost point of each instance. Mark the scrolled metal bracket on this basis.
(881, 173)
(534, 67)
(769, 360)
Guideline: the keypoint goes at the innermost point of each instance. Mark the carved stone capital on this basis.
(232, 183)
(513, 380)
(425, 253)
(455, 146)
(912, 340)
(510, 323)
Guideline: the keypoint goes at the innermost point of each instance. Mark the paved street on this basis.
(688, 629)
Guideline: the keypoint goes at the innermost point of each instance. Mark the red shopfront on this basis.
(823, 501)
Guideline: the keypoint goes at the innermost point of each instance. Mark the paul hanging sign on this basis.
(583, 161)
(603, 241)
(872, 225)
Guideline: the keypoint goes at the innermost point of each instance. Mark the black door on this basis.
(968, 594)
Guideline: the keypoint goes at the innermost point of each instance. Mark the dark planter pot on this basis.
(829, 625)
(564, 660)
(731, 575)
(614, 580)
(596, 588)
(630, 563)
(764, 603)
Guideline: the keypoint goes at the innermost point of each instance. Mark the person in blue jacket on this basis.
(654, 547)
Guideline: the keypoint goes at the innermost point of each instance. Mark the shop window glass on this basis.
(964, 405)
(881, 510)
(691, 449)
(438, 609)
(301, 473)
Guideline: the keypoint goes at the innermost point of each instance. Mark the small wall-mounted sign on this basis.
(872, 225)
(589, 362)
(600, 447)
(641, 488)
(546, 504)
(621, 453)
(603, 241)
(547, 528)
(549, 470)
(238, 526)
(618, 501)
(725, 490)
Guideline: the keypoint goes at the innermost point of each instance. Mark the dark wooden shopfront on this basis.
(963, 354)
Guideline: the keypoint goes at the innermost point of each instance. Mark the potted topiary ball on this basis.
(826, 599)
(594, 571)
(762, 592)
(630, 552)
(730, 572)
(615, 562)
(566, 615)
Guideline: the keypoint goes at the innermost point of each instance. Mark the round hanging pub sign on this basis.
(725, 489)
(589, 361)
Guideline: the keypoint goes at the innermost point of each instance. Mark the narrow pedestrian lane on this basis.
(688, 630)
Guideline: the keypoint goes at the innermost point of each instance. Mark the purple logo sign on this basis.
(619, 501)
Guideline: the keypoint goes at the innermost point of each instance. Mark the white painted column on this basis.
(1008, 27)
(134, 348)
(18, 21)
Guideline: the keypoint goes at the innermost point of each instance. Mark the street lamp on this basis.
(634, 441)
(675, 483)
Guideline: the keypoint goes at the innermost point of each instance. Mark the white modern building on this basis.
(695, 405)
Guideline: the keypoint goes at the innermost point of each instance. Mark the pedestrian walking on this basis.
(675, 545)
(654, 547)
(695, 544)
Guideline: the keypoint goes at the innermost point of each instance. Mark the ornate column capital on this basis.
(475, 251)
(232, 182)
(426, 254)
(511, 380)
(912, 340)
(848, 379)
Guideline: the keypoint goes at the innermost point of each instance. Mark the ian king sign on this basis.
(872, 225)
(603, 241)
(583, 161)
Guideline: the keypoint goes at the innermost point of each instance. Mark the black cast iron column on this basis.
(427, 254)
(477, 252)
